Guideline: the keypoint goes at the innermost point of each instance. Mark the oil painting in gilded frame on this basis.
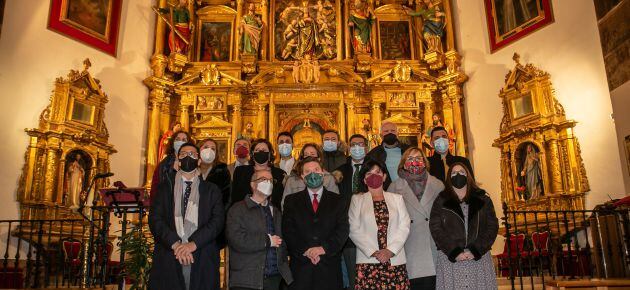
(92, 22)
(395, 40)
(510, 20)
(215, 41)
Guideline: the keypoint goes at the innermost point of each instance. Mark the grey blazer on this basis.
(420, 247)
(248, 242)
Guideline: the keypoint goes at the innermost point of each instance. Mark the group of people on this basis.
(390, 218)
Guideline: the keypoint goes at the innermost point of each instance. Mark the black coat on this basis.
(332, 160)
(436, 166)
(447, 225)
(166, 272)
(241, 184)
(220, 175)
(345, 188)
(304, 229)
(379, 154)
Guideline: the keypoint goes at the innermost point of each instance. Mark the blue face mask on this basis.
(285, 149)
(441, 145)
(330, 146)
(177, 144)
(357, 152)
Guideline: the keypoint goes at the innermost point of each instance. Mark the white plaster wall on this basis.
(621, 111)
(569, 49)
(32, 57)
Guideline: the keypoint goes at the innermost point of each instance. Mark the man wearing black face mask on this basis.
(185, 219)
(262, 158)
(389, 152)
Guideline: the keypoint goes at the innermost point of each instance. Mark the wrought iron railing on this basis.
(564, 245)
(64, 253)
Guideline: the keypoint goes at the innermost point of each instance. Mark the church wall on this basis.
(621, 104)
(32, 57)
(569, 49)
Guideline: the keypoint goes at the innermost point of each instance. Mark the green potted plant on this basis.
(137, 245)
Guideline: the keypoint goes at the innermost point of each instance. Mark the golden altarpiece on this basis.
(67, 149)
(256, 68)
(541, 163)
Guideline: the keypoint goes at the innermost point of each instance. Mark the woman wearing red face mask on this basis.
(379, 226)
(419, 189)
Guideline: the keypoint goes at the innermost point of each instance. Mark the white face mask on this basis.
(207, 155)
(265, 187)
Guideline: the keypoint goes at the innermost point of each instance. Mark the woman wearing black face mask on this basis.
(261, 158)
(464, 226)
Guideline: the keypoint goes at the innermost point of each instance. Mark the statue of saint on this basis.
(360, 21)
(251, 29)
(308, 39)
(75, 175)
(437, 122)
(248, 132)
(532, 173)
(177, 126)
(432, 24)
(181, 27)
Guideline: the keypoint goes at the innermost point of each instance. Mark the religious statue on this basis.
(437, 122)
(531, 173)
(75, 175)
(432, 24)
(248, 131)
(251, 30)
(360, 21)
(202, 104)
(177, 126)
(180, 24)
(401, 72)
(307, 29)
(210, 75)
(372, 136)
(306, 70)
(308, 38)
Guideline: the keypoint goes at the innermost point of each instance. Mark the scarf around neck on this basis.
(417, 182)
(186, 225)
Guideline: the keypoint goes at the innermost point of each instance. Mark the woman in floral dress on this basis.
(379, 226)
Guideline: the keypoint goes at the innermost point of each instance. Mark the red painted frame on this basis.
(108, 46)
(498, 44)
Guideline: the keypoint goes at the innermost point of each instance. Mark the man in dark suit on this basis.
(262, 157)
(185, 219)
(442, 159)
(315, 227)
(389, 152)
(348, 186)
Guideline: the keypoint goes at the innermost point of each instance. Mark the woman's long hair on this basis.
(471, 185)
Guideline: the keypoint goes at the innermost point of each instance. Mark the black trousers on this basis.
(423, 283)
(270, 283)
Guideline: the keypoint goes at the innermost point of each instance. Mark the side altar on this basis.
(225, 69)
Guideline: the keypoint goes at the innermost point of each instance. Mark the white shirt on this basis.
(319, 193)
(287, 165)
(237, 163)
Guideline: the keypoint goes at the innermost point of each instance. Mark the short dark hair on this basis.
(365, 168)
(188, 144)
(438, 128)
(299, 168)
(285, 133)
(331, 131)
(315, 146)
(358, 136)
(242, 138)
(170, 149)
(272, 156)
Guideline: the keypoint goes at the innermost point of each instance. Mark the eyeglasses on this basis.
(192, 154)
(362, 144)
(262, 179)
(415, 158)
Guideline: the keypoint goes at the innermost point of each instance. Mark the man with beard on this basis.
(389, 152)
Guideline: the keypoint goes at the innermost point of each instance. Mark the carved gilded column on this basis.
(376, 116)
(50, 183)
(264, 48)
(184, 118)
(261, 122)
(447, 110)
(351, 120)
(27, 190)
(458, 125)
(450, 39)
(428, 116)
(236, 129)
(272, 120)
(160, 31)
(554, 161)
(153, 134)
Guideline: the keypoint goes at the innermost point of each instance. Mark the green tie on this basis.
(355, 178)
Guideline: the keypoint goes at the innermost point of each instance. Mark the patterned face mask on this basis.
(415, 167)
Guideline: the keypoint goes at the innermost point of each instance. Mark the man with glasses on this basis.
(258, 254)
(185, 219)
(348, 186)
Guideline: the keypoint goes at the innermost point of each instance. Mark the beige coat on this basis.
(420, 247)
